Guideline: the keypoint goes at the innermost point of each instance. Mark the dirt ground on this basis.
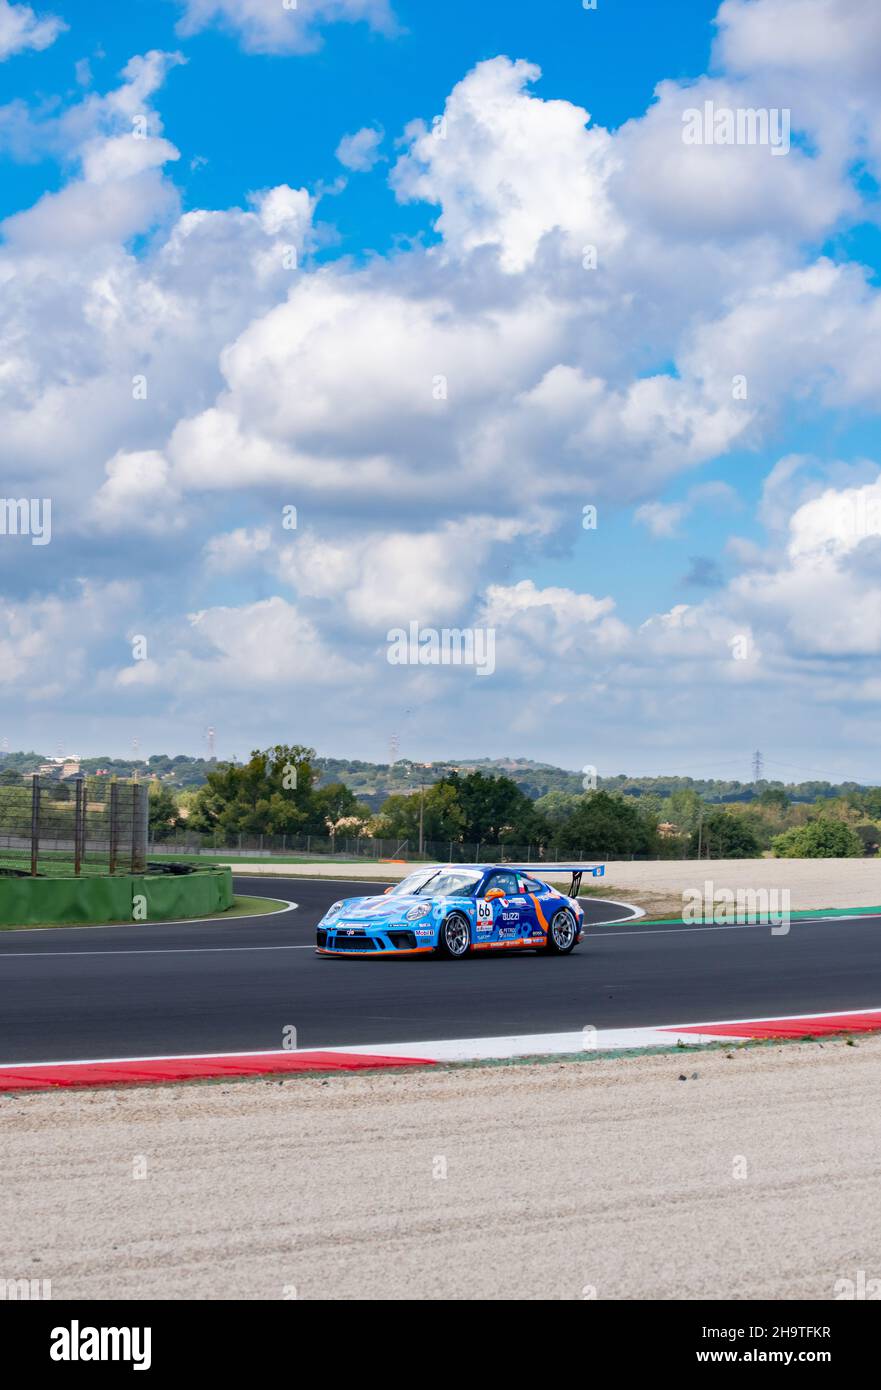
(811, 883)
(758, 1175)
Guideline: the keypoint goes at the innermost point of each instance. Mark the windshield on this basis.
(439, 883)
(412, 883)
(453, 885)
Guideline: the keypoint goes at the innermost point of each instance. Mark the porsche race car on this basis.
(455, 910)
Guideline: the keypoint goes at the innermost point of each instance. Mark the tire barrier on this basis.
(159, 897)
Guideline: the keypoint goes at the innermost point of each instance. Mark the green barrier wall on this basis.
(26, 902)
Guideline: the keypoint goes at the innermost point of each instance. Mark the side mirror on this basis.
(389, 889)
(494, 893)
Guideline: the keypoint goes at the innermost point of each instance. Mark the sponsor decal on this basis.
(484, 911)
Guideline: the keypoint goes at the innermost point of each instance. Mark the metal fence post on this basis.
(79, 826)
(35, 823)
(114, 825)
(140, 825)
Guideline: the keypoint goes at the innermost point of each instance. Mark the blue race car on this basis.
(455, 909)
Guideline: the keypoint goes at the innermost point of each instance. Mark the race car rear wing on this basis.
(576, 870)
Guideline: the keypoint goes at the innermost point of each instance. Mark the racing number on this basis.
(484, 910)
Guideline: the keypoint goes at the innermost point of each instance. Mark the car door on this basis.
(507, 906)
(535, 897)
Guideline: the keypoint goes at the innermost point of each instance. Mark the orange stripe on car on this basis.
(538, 912)
(507, 945)
(412, 951)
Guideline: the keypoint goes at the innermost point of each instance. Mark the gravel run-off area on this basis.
(737, 1173)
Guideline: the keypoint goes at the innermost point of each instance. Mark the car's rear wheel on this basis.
(562, 933)
(454, 940)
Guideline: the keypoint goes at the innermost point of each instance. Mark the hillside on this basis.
(374, 782)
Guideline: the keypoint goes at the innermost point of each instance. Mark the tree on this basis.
(164, 817)
(726, 835)
(10, 778)
(870, 836)
(606, 825)
(443, 817)
(494, 809)
(819, 839)
(684, 808)
(340, 808)
(272, 793)
(556, 807)
(774, 798)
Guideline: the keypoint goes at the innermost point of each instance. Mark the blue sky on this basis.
(265, 119)
(724, 525)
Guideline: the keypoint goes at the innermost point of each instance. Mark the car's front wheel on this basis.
(455, 937)
(562, 933)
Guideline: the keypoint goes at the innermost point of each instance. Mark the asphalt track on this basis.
(94, 992)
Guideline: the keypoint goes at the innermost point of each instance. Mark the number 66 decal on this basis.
(484, 910)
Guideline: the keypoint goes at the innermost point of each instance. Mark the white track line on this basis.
(739, 926)
(634, 913)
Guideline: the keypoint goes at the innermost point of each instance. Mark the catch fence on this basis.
(82, 825)
(349, 847)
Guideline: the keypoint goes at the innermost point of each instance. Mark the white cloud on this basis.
(824, 55)
(266, 643)
(47, 642)
(507, 167)
(21, 28)
(551, 607)
(696, 191)
(81, 316)
(236, 550)
(393, 578)
(840, 39)
(360, 151)
(83, 215)
(819, 600)
(440, 417)
(282, 28)
(116, 139)
(663, 519)
(138, 495)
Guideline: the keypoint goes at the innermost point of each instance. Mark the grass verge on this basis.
(241, 907)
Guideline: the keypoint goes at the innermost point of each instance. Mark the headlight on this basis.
(332, 911)
(416, 912)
